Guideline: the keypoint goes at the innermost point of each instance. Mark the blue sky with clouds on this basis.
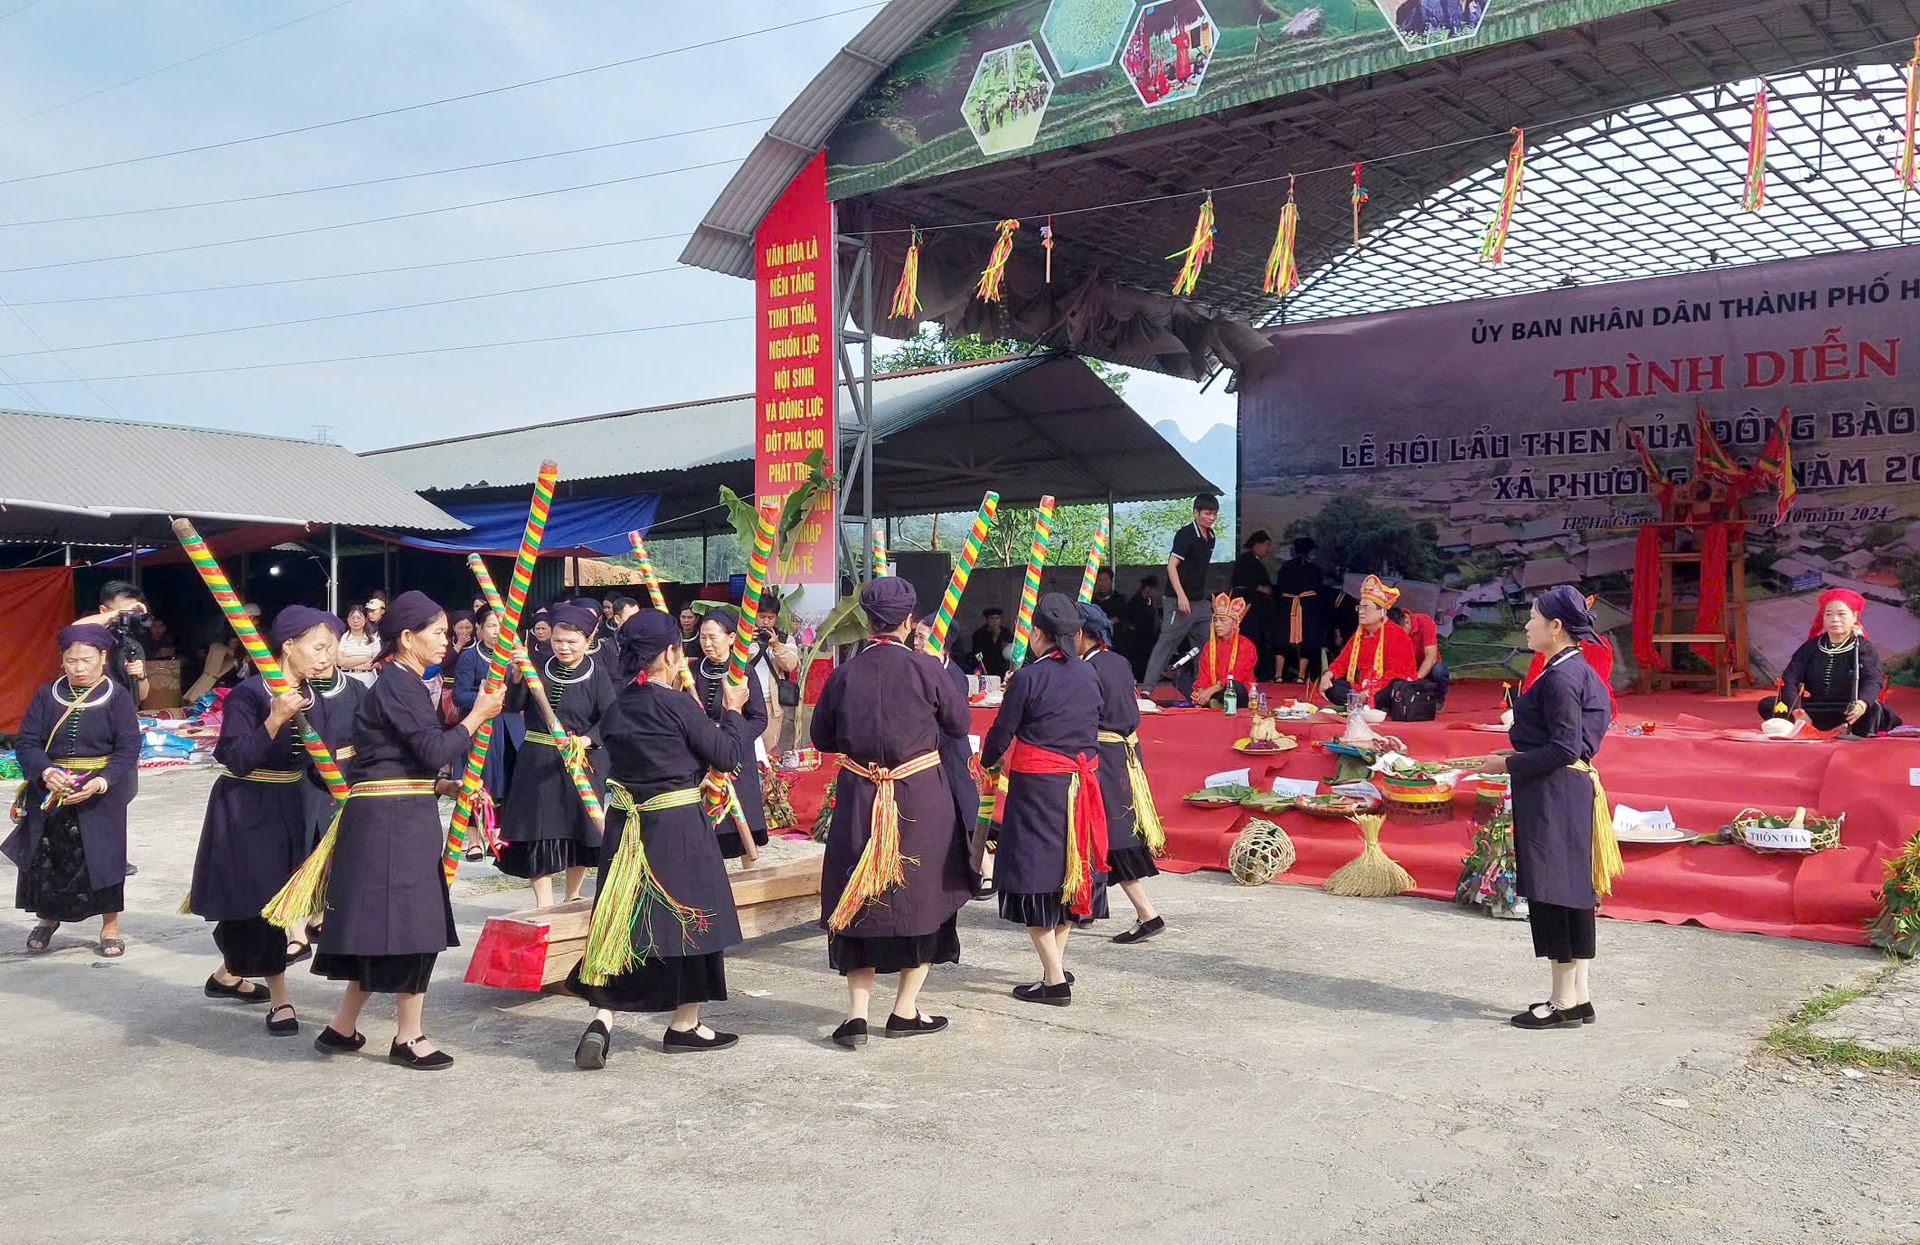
(74, 338)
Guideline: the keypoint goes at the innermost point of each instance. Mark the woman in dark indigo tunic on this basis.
(956, 757)
(254, 834)
(388, 914)
(660, 744)
(885, 713)
(1129, 856)
(340, 694)
(1558, 725)
(1835, 678)
(545, 827)
(78, 745)
(1053, 827)
(709, 675)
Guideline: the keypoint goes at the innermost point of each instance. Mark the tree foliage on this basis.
(1355, 535)
(931, 347)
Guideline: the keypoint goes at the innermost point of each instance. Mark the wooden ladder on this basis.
(1730, 662)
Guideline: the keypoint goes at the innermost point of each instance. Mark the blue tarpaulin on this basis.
(579, 526)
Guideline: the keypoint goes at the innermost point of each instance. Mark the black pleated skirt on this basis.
(1130, 864)
(895, 953)
(731, 847)
(378, 974)
(1561, 934)
(55, 885)
(254, 947)
(1046, 911)
(541, 858)
(659, 985)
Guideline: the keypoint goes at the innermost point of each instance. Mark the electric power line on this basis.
(345, 315)
(372, 220)
(382, 181)
(403, 354)
(21, 9)
(432, 103)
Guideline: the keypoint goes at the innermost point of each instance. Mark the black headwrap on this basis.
(296, 620)
(571, 615)
(1564, 602)
(722, 618)
(888, 601)
(85, 633)
(1058, 617)
(1094, 621)
(410, 611)
(644, 637)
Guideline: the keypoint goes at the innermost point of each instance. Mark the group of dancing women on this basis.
(647, 724)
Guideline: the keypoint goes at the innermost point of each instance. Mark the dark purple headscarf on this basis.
(410, 611)
(1564, 603)
(85, 633)
(296, 620)
(644, 637)
(574, 617)
(887, 601)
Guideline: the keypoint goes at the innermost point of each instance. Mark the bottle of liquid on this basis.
(1232, 699)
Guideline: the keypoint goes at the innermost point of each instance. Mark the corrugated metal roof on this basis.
(77, 478)
(723, 242)
(1039, 423)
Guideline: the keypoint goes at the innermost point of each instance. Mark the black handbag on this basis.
(788, 691)
(1412, 700)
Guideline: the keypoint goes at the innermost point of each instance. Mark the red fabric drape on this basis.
(1086, 820)
(1646, 594)
(34, 605)
(1712, 615)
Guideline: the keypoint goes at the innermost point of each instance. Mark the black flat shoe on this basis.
(286, 1027)
(333, 1042)
(1545, 1016)
(241, 991)
(851, 1034)
(305, 952)
(677, 1041)
(1039, 992)
(914, 1026)
(1583, 1012)
(591, 1054)
(1141, 931)
(403, 1054)
(39, 937)
(984, 891)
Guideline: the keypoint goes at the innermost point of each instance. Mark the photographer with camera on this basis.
(774, 659)
(123, 612)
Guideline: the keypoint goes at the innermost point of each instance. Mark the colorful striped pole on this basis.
(1030, 589)
(879, 551)
(646, 572)
(962, 571)
(537, 689)
(262, 657)
(517, 589)
(764, 519)
(1095, 556)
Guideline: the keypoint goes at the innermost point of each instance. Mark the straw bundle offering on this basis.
(1261, 852)
(1372, 874)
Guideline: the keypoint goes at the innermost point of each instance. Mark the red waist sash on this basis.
(1086, 816)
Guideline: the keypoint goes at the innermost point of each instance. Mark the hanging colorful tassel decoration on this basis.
(993, 280)
(1493, 241)
(1198, 251)
(1909, 167)
(1359, 197)
(1046, 244)
(1282, 273)
(906, 295)
(1756, 193)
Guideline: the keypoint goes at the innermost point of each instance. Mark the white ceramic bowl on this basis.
(1777, 727)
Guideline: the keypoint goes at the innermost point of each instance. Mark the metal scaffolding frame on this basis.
(853, 403)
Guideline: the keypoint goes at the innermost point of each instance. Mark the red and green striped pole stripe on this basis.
(879, 551)
(538, 689)
(962, 571)
(262, 657)
(517, 589)
(764, 519)
(1095, 556)
(646, 572)
(1030, 589)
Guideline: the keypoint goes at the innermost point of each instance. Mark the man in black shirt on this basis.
(1187, 575)
(987, 654)
(1109, 602)
(1140, 627)
(123, 611)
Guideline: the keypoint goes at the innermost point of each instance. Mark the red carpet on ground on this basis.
(1687, 765)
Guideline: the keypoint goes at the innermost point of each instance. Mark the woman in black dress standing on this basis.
(388, 913)
(709, 675)
(1565, 855)
(1300, 613)
(340, 694)
(1053, 832)
(885, 712)
(1253, 584)
(254, 834)
(1129, 856)
(78, 745)
(956, 757)
(663, 907)
(545, 827)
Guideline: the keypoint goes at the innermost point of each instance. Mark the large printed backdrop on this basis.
(1476, 446)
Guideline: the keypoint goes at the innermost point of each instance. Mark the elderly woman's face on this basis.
(1372, 614)
(568, 645)
(714, 641)
(83, 664)
(310, 654)
(543, 631)
(427, 646)
(1839, 619)
(1542, 631)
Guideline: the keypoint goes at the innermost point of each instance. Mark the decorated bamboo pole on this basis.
(879, 551)
(764, 519)
(517, 589)
(257, 650)
(962, 571)
(1095, 556)
(572, 755)
(646, 571)
(1030, 589)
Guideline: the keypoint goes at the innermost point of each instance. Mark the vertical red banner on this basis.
(793, 335)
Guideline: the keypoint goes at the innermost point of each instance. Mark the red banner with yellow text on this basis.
(793, 338)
